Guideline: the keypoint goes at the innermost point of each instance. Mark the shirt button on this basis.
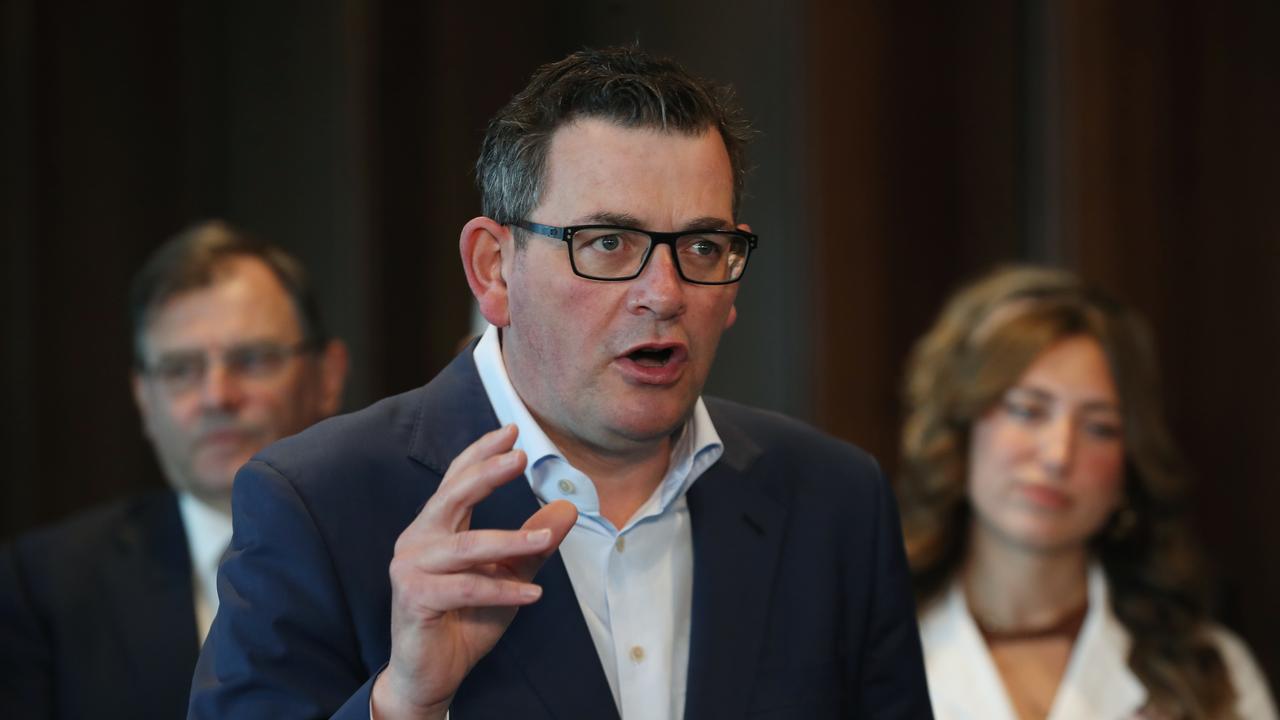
(566, 487)
(637, 653)
(621, 544)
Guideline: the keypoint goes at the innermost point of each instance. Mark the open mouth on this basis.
(651, 357)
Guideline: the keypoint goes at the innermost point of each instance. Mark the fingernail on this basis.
(531, 592)
(538, 537)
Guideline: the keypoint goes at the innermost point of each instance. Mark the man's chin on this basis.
(646, 424)
(214, 479)
(214, 492)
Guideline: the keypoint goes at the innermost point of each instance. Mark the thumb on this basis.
(558, 517)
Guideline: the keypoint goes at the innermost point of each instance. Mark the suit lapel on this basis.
(454, 412)
(737, 534)
(548, 641)
(148, 588)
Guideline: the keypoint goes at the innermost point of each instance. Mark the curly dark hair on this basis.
(983, 341)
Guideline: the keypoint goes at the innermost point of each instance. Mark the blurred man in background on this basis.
(103, 615)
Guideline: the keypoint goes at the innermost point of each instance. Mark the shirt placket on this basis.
(641, 633)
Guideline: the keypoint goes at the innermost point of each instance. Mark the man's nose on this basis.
(220, 388)
(1057, 444)
(659, 289)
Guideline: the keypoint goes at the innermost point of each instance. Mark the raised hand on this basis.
(455, 590)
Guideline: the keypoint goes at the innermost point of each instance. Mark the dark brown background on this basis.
(905, 148)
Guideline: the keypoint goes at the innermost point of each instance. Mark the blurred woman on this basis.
(1042, 504)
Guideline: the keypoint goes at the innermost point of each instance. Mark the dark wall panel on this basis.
(1176, 170)
(914, 149)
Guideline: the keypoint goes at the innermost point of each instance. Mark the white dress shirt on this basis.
(634, 583)
(208, 535)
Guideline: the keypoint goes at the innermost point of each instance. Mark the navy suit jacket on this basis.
(801, 599)
(97, 616)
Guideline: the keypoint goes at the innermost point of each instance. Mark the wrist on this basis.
(388, 702)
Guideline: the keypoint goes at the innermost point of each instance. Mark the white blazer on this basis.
(1098, 685)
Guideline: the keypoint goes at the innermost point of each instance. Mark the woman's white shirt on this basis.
(964, 683)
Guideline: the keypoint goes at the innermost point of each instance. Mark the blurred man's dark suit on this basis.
(97, 615)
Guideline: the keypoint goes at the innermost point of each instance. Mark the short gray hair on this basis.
(624, 85)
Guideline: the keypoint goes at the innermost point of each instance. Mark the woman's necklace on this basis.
(1067, 624)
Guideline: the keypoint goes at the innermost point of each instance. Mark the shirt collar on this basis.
(208, 534)
(697, 445)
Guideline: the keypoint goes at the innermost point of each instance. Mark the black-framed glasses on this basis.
(609, 252)
(182, 371)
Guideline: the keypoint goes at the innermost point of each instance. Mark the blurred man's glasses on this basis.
(606, 252)
(184, 371)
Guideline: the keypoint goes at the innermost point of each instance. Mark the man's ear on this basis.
(142, 401)
(733, 309)
(334, 359)
(482, 243)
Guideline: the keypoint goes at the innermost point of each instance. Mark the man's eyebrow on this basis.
(706, 222)
(611, 218)
(248, 342)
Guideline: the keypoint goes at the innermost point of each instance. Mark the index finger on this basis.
(486, 446)
(483, 466)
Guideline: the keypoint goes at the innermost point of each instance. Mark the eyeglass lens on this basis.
(185, 370)
(611, 253)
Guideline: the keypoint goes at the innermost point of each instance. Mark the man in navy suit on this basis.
(102, 615)
(559, 525)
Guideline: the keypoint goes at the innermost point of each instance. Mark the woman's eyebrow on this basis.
(1043, 395)
(1036, 392)
(1100, 405)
